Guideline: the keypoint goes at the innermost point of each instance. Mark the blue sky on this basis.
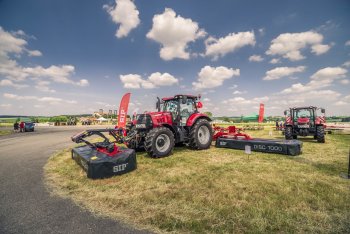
(71, 57)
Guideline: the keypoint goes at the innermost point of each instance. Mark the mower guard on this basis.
(287, 147)
(103, 159)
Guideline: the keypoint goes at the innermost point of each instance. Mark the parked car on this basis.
(29, 126)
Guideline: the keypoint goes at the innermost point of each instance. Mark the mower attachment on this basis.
(103, 159)
(287, 147)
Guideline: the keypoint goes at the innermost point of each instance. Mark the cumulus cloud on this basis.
(346, 64)
(43, 87)
(275, 61)
(125, 13)
(320, 79)
(50, 100)
(174, 33)
(11, 44)
(279, 72)
(157, 79)
(347, 43)
(10, 83)
(211, 77)
(232, 42)
(289, 45)
(255, 58)
(237, 92)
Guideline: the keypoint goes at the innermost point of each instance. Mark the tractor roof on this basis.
(179, 96)
(304, 107)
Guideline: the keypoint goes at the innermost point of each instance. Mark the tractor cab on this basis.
(181, 107)
(305, 121)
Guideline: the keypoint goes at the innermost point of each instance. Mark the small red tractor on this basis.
(304, 121)
(177, 121)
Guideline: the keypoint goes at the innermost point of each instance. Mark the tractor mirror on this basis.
(323, 111)
(184, 100)
(158, 104)
(285, 112)
(199, 105)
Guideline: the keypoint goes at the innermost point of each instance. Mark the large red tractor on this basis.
(304, 121)
(177, 121)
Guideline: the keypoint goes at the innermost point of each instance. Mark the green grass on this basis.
(220, 190)
(5, 132)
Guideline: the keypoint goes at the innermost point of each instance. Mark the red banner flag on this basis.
(123, 110)
(261, 113)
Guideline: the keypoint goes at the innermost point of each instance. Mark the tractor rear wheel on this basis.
(159, 142)
(320, 134)
(288, 133)
(201, 135)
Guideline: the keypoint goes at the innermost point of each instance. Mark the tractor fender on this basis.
(196, 116)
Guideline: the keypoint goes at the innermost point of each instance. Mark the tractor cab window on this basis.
(186, 110)
(172, 107)
(303, 113)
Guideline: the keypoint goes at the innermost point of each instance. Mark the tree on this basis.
(208, 113)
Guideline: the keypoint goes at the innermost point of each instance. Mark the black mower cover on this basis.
(287, 147)
(103, 159)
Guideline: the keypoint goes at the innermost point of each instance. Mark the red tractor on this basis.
(304, 121)
(177, 121)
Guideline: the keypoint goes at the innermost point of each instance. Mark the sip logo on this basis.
(122, 116)
(223, 143)
(120, 167)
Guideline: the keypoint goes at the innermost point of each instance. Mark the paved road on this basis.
(25, 204)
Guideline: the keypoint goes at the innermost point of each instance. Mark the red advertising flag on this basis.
(261, 113)
(123, 110)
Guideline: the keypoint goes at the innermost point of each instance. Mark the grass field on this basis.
(5, 132)
(220, 190)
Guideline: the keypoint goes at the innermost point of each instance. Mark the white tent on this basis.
(101, 119)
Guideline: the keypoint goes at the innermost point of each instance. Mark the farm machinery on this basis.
(176, 121)
(234, 138)
(305, 121)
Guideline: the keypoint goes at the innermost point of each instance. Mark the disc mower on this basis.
(104, 158)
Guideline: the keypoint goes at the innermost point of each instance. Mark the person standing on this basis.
(21, 127)
(15, 126)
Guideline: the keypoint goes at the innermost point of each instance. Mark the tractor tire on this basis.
(159, 142)
(288, 133)
(201, 135)
(320, 134)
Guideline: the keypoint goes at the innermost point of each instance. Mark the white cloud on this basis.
(341, 103)
(6, 105)
(255, 58)
(211, 77)
(345, 81)
(43, 87)
(232, 42)
(346, 64)
(347, 43)
(135, 81)
(320, 79)
(50, 100)
(34, 53)
(329, 73)
(11, 44)
(124, 13)
(10, 83)
(275, 61)
(320, 49)
(289, 45)
(237, 92)
(279, 72)
(164, 79)
(83, 83)
(174, 33)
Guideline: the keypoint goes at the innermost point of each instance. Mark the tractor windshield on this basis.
(172, 107)
(303, 113)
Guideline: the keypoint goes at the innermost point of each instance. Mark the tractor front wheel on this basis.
(159, 142)
(320, 134)
(201, 135)
(288, 133)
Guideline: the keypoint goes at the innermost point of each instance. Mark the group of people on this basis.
(279, 125)
(19, 127)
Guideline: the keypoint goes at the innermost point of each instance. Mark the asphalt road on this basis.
(26, 205)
